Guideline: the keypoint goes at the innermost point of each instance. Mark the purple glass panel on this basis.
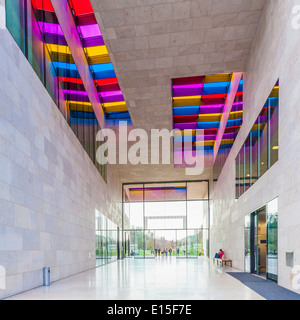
(115, 98)
(211, 109)
(50, 28)
(93, 42)
(187, 126)
(187, 90)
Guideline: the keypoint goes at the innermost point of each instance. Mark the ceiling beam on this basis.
(233, 89)
(67, 23)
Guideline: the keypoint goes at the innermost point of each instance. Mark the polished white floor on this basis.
(159, 279)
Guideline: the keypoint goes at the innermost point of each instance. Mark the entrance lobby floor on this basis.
(151, 279)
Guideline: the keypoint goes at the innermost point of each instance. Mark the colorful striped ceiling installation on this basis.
(101, 67)
(111, 96)
(198, 103)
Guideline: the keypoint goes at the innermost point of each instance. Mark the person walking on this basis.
(170, 252)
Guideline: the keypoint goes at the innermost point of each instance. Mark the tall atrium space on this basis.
(149, 151)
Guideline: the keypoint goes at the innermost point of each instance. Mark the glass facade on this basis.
(166, 219)
(22, 20)
(260, 150)
(34, 26)
(107, 240)
(272, 240)
(261, 241)
(232, 129)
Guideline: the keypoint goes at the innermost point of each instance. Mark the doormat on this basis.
(267, 289)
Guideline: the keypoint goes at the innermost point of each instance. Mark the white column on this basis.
(2, 15)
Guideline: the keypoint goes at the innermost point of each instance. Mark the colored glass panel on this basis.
(261, 148)
(198, 103)
(113, 103)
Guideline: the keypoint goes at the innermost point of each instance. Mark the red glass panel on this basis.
(81, 7)
(43, 5)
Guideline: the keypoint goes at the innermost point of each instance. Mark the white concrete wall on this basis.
(49, 187)
(275, 54)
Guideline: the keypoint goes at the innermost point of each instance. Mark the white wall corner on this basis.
(2, 15)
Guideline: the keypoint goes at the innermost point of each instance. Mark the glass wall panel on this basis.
(197, 214)
(260, 150)
(237, 177)
(112, 241)
(247, 244)
(254, 154)
(272, 230)
(193, 243)
(16, 21)
(35, 28)
(106, 240)
(247, 148)
(126, 216)
(163, 223)
(149, 243)
(35, 44)
(197, 190)
(263, 145)
(242, 171)
(165, 215)
(135, 213)
(274, 122)
(181, 244)
(137, 244)
(204, 242)
(165, 240)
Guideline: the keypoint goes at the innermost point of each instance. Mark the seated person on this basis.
(220, 254)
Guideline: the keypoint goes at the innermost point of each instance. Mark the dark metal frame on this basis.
(186, 200)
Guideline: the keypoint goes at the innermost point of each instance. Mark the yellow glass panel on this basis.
(222, 77)
(235, 115)
(59, 48)
(275, 92)
(209, 117)
(186, 101)
(98, 55)
(80, 106)
(227, 141)
(96, 51)
(207, 143)
(115, 107)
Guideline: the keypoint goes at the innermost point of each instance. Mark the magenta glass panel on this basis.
(90, 31)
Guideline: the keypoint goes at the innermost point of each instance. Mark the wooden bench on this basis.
(223, 261)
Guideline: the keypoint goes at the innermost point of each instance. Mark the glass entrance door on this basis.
(247, 243)
(258, 242)
(272, 240)
(263, 240)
